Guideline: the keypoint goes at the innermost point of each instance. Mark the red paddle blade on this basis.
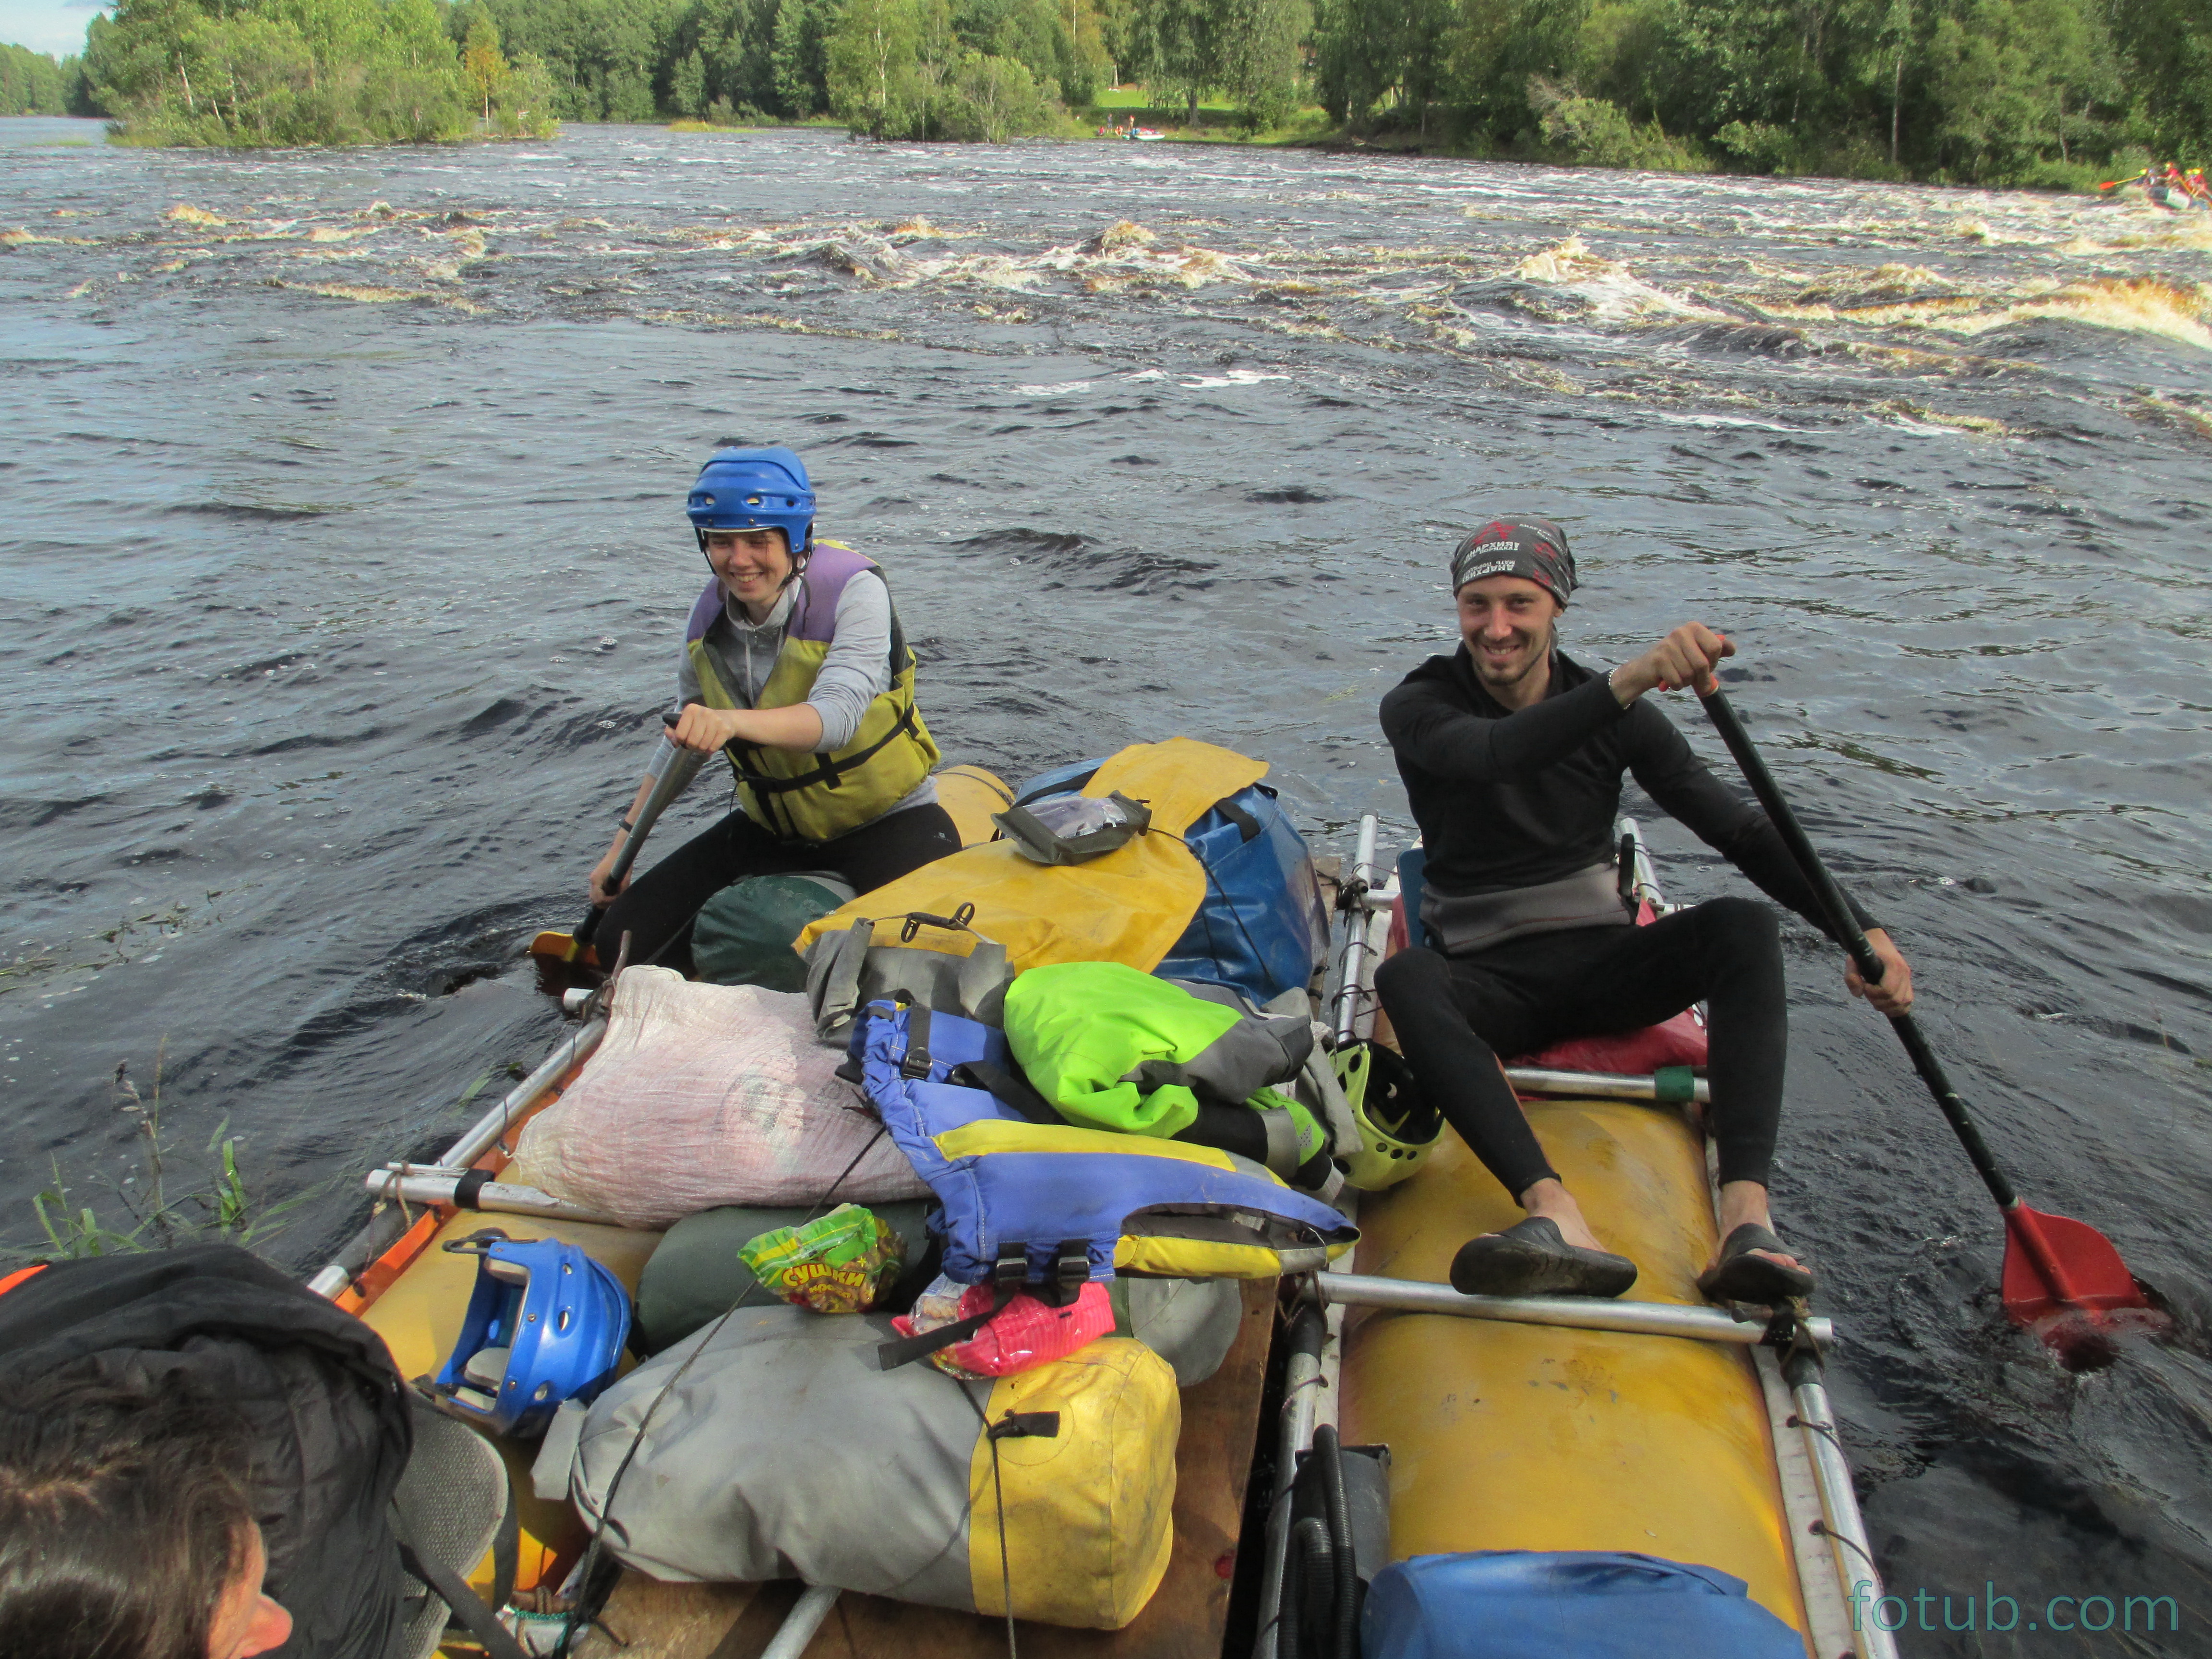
(2065, 1281)
(2054, 1264)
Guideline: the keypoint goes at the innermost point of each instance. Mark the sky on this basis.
(54, 26)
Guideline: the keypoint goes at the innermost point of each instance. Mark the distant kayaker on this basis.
(795, 666)
(1512, 755)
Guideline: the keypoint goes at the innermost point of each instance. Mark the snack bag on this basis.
(841, 1263)
(1025, 1334)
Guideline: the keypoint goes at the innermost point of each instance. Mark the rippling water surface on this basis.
(345, 564)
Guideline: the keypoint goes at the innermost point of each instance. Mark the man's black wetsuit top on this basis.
(1513, 799)
(1510, 799)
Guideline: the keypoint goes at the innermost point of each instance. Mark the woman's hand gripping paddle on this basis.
(2063, 1279)
(672, 769)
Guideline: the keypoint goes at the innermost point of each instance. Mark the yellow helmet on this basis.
(1398, 1129)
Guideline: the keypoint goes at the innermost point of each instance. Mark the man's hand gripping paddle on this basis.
(2063, 1279)
(672, 769)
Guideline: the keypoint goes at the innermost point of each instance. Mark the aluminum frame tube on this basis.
(335, 1275)
(1301, 1382)
(1839, 1505)
(799, 1624)
(477, 1140)
(427, 1190)
(1582, 1313)
(1594, 1085)
(1355, 932)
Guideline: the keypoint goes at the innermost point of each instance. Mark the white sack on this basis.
(702, 1095)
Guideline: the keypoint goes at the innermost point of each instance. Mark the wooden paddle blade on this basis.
(2089, 1278)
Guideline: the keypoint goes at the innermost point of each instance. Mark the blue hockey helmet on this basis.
(755, 489)
(544, 1323)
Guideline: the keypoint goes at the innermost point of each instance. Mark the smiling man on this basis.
(1513, 755)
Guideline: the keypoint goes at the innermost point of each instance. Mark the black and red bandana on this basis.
(1534, 550)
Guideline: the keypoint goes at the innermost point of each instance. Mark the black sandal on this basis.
(1532, 1258)
(1739, 1276)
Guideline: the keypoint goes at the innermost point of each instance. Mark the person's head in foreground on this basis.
(125, 1531)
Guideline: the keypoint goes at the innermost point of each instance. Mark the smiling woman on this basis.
(795, 666)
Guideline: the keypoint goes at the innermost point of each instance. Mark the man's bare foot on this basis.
(1550, 1199)
(1751, 1264)
(1745, 1202)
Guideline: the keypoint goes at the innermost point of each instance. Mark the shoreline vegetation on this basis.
(2042, 93)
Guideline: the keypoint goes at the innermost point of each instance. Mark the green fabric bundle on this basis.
(1112, 1048)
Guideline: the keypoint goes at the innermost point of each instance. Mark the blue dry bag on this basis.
(1261, 928)
(1574, 1604)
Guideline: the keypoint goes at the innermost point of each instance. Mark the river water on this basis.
(345, 564)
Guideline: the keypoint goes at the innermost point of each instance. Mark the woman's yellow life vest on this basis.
(810, 797)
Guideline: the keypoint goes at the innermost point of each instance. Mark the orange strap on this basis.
(16, 1278)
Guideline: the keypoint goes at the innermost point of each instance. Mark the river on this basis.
(1154, 439)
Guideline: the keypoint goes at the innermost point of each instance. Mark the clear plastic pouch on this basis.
(1069, 829)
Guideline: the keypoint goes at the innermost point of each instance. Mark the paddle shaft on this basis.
(1845, 926)
(2021, 1223)
(672, 769)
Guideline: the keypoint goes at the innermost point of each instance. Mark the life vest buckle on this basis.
(1071, 1271)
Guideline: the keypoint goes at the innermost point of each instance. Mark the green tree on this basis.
(688, 85)
(800, 56)
(1262, 47)
(993, 98)
(32, 83)
(1175, 49)
(874, 83)
(482, 61)
(2168, 55)
(2016, 80)
(243, 72)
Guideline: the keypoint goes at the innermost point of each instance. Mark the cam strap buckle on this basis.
(916, 1063)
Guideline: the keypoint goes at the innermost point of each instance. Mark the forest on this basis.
(2050, 92)
(32, 83)
(260, 72)
(2021, 92)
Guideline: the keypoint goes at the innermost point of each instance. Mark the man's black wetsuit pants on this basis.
(658, 908)
(1455, 1017)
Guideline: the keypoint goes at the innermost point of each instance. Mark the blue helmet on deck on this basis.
(755, 489)
(544, 1323)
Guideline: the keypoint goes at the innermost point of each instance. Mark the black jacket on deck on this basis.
(1517, 798)
(328, 1412)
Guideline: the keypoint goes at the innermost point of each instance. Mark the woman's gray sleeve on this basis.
(858, 669)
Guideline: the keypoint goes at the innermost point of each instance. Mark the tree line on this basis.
(258, 72)
(32, 83)
(2030, 92)
(2049, 92)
